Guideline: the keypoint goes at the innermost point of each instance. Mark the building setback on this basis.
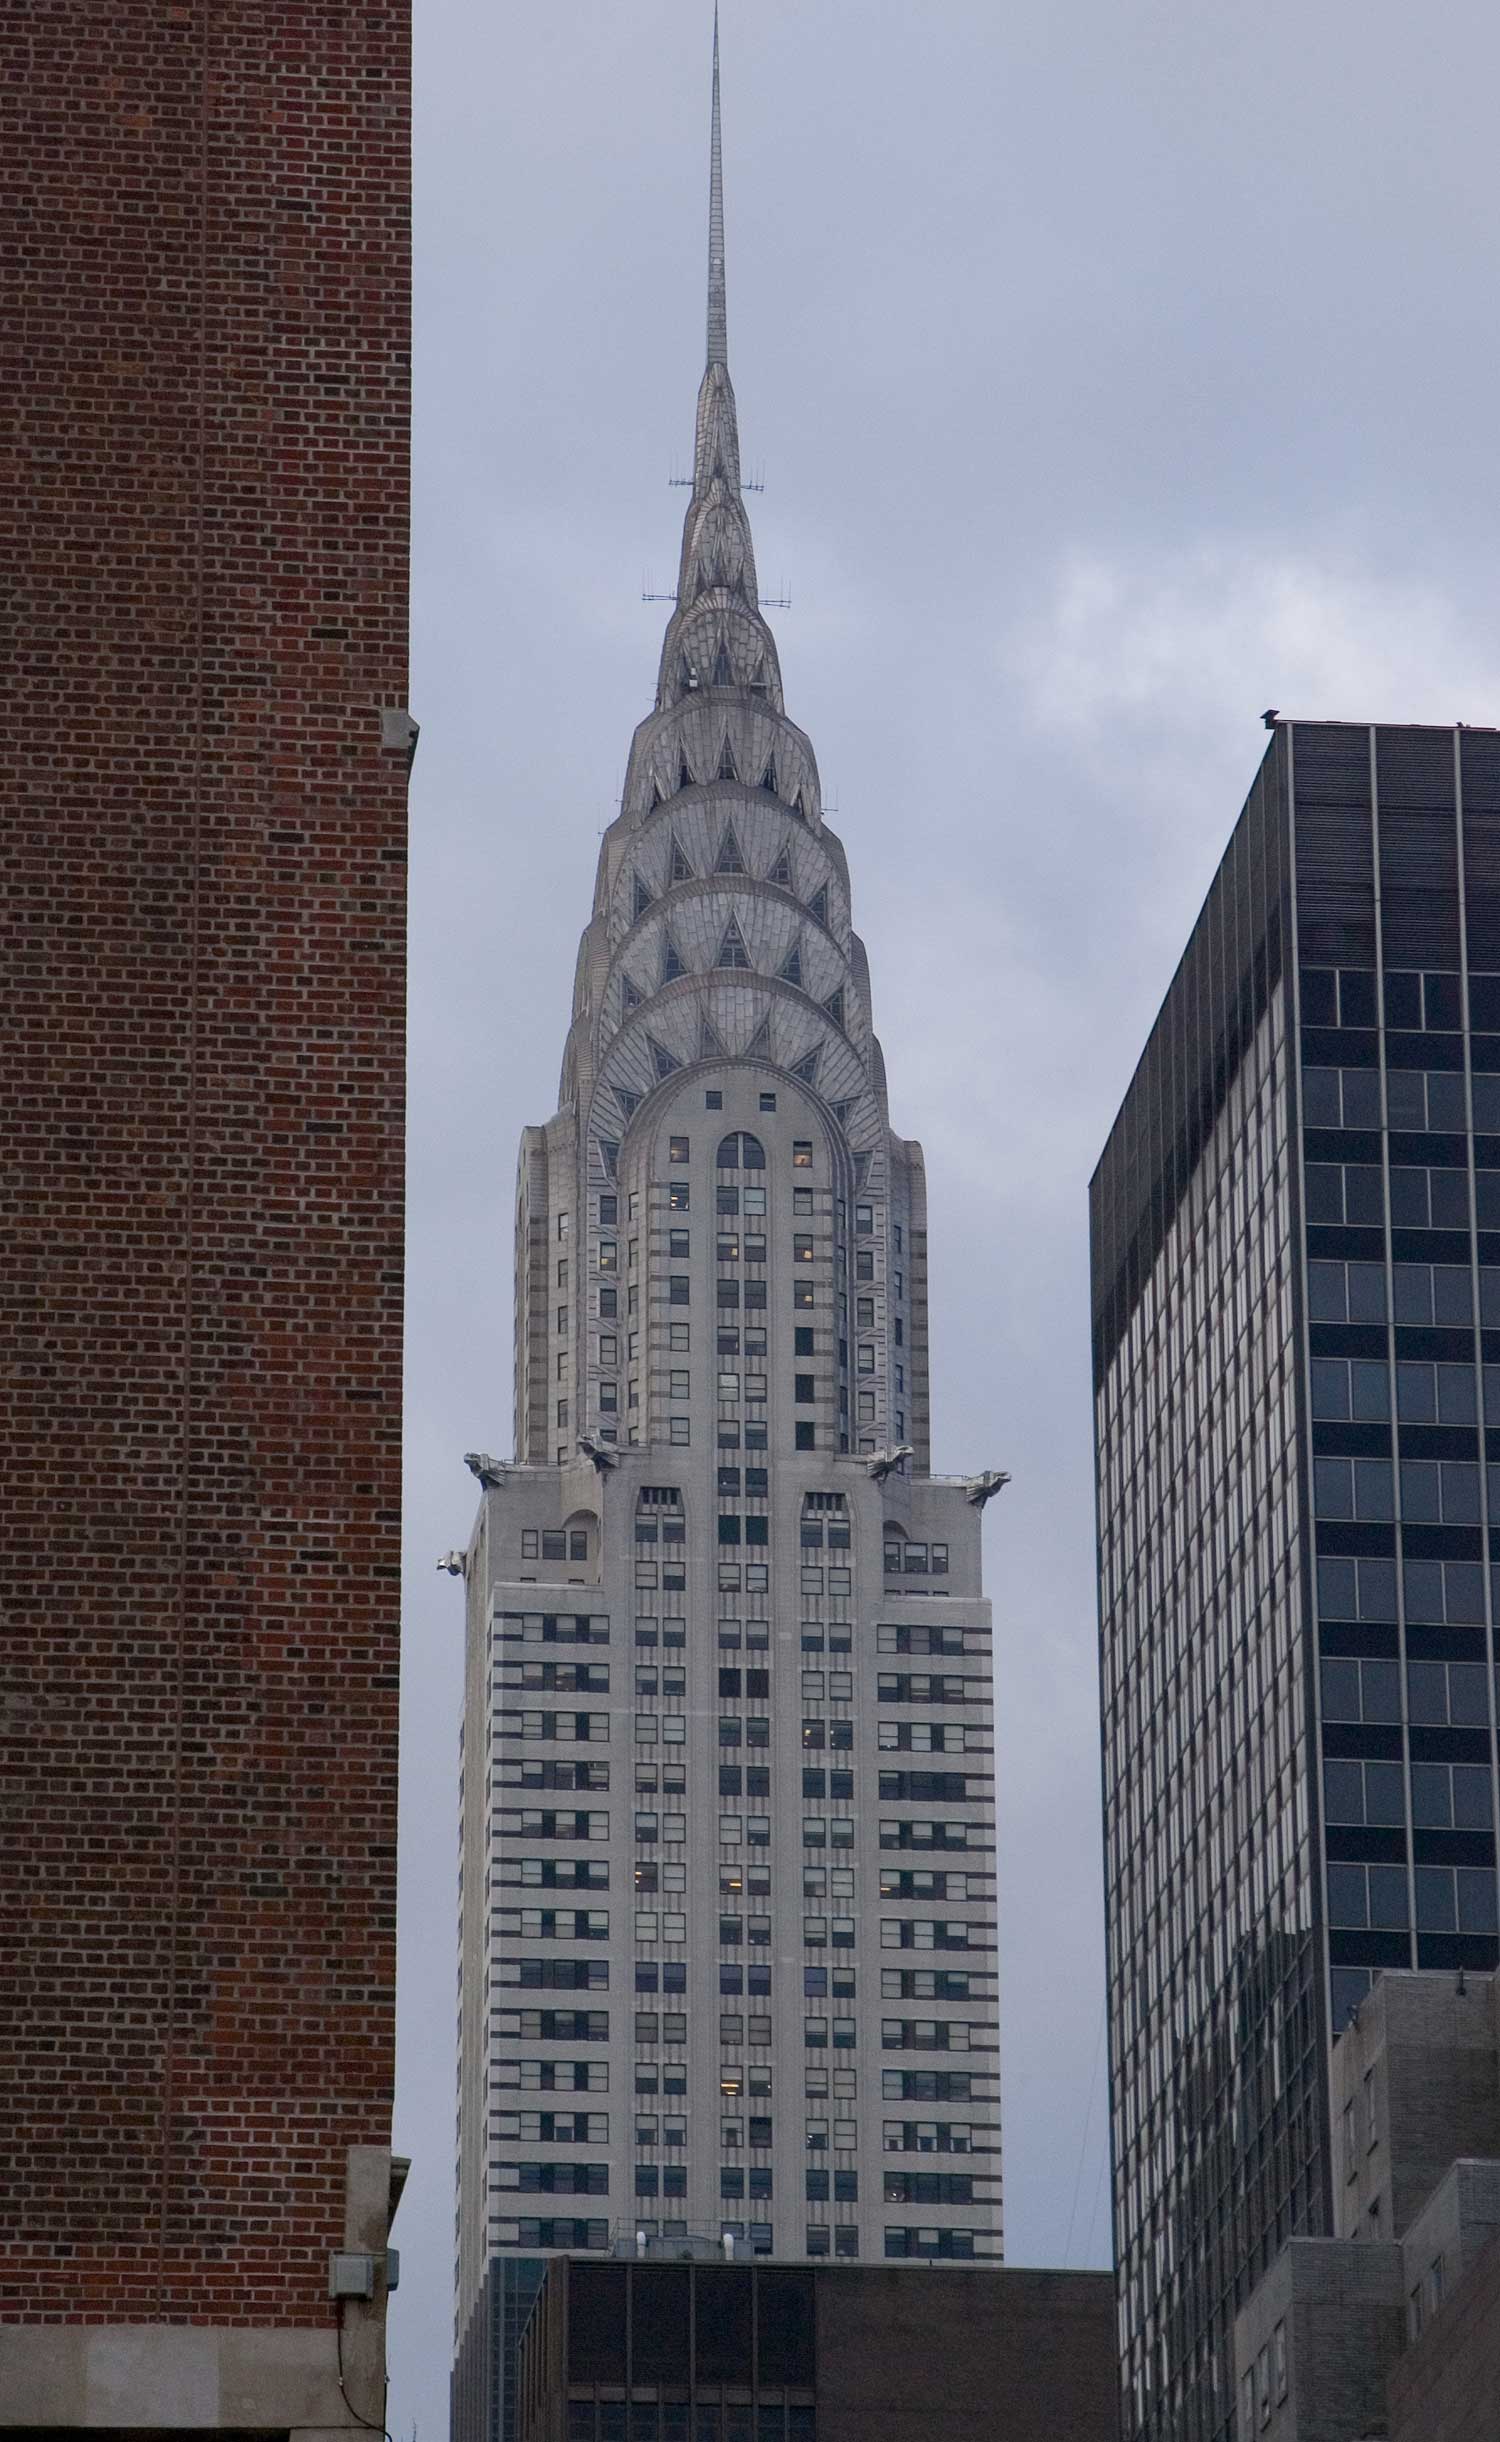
(1296, 1271)
(706, 2352)
(728, 1932)
(204, 667)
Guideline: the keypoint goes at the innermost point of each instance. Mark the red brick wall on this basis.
(203, 534)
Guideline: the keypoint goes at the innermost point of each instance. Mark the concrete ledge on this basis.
(171, 2376)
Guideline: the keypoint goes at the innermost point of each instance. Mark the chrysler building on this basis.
(728, 1826)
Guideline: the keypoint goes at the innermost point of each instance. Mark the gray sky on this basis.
(1117, 369)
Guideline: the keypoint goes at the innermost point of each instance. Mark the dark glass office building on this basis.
(1296, 1334)
(668, 2349)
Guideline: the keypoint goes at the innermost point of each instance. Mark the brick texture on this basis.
(203, 524)
(1446, 2388)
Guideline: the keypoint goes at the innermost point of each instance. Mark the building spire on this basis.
(717, 625)
(718, 315)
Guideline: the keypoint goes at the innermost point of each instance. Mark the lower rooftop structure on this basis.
(1390, 2330)
(656, 2350)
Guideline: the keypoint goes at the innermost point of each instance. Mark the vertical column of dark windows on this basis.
(839, 1318)
(1455, 1789)
(1362, 1765)
(1479, 825)
(1431, 1277)
(1438, 1303)
(808, 1384)
(744, 1184)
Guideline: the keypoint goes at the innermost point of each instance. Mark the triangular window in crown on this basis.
(817, 905)
(768, 779)
(609, 1155)
(723, 675)
(671, 962)
(803, 807)
(642, 898)
(684, 776)
(657, 798)
(841, 1111)
(759, 684)
(679, 870)
(835, 1006)
(790, 969)
(732, 950)
(628, 1100)
(807, 1069)
(729, 859)
(710, 1043)
(781, 871)
(631, 995)
(726, 760)
(861, 1170)
(687, 676)
(759, 1045)
(665, 1060)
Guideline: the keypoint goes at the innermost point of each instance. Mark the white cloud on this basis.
(1186, 637)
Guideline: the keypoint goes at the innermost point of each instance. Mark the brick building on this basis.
(1392, 2326)
(204, 529)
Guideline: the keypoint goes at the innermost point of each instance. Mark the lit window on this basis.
(677, 1149)
(802, 1154)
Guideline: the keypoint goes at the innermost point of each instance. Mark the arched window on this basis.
(741, 1151)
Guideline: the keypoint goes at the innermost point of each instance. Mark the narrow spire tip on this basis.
(718, 314)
